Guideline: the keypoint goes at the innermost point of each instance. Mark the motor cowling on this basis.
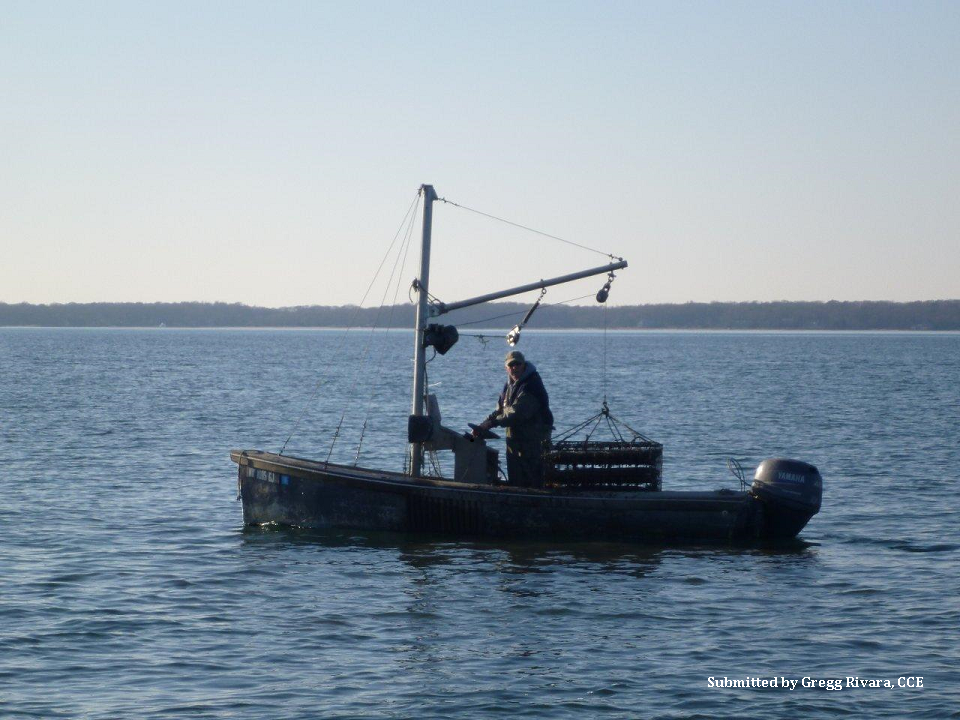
(791, 491)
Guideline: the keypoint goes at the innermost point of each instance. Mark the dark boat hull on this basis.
(302, 493)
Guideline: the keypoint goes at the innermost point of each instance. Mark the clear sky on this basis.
(266, 152)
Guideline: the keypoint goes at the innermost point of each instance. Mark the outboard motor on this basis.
(790, 491)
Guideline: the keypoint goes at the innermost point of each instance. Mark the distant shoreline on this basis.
(491, 332)
(924, 316)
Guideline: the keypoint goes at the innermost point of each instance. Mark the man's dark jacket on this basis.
(524, 408)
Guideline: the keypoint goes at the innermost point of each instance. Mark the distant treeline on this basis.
(833, 315)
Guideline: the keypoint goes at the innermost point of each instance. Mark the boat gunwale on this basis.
(392, 481)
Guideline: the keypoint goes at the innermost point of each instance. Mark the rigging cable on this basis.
(356, 380)
(518, 312)
(316, 390)
(396, 292)
(529, 229)
(513, 337)
(416, 287)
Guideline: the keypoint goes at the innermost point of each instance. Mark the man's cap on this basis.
(513, 356)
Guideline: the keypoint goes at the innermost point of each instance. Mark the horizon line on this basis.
(509, 302)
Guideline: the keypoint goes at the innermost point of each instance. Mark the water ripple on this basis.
(128, 587)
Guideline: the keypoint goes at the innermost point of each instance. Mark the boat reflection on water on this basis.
(424, 552)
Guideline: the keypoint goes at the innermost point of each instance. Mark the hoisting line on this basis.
(602, 299)
(605, 356)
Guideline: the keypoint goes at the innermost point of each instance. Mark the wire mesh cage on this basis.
(629, 461)
(614, 464)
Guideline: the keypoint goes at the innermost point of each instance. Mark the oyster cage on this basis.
(604, 465)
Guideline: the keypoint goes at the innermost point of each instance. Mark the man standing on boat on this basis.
(524, 410)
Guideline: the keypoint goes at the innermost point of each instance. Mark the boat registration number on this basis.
(268, 476)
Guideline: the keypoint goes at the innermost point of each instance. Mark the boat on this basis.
(593, 490)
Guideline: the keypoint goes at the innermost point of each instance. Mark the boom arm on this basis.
(441, 308)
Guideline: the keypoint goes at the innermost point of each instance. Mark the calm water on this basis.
(130, 589)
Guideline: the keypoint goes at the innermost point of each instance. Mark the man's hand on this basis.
(485, 425)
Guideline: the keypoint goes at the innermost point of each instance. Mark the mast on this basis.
(423, 312)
